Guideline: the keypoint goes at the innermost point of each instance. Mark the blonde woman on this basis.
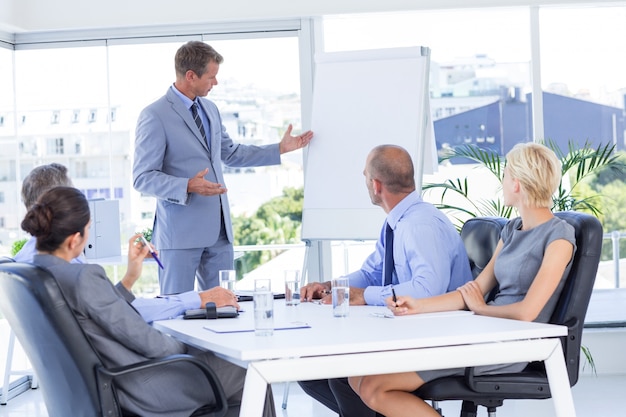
(529, 265)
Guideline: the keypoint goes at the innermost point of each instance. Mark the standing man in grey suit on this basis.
(179, 149)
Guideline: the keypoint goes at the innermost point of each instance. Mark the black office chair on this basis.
(480, 236)
(532, 383)
(74, 382)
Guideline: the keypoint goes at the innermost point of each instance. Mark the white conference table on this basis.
(364, 344)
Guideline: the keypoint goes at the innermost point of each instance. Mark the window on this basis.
(480, 78)
(93, 116)
(470, 68)
(11, 206)
(59, 120)
(480, 59)
(55, 146)
(456, 61)
(80, 169)
(579, 52)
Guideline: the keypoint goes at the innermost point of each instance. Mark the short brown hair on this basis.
(58, 213)
(195, 56)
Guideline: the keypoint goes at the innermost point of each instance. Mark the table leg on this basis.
(559, 383)
(254, 392)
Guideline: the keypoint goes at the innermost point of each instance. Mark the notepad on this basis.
(211, 312)
(237, 326)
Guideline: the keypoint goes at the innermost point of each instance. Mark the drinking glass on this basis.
(341, 296)
(263, 307)
(292, 287)
(228, 279)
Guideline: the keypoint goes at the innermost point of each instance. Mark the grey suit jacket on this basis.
(169, 150)
(122, 337)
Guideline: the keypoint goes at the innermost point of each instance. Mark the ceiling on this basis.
(24, 16)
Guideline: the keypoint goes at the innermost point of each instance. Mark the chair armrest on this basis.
(106, 378)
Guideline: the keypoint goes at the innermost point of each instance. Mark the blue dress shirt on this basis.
(161, 308)
(428, 252)
(150, 309)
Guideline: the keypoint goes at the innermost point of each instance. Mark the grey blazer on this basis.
(169, 150)
(122, 337)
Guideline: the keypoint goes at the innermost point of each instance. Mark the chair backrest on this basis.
(480, 236)
(57, 348)
(574, 300)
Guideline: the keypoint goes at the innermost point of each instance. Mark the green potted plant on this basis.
(577, 164)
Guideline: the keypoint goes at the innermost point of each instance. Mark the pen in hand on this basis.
(145, 242)
(393, 294)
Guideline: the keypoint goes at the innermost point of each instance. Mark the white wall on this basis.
(607, 349)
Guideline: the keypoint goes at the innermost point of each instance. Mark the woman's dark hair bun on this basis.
(57, 214)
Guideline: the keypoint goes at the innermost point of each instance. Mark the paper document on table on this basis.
(237, 326)
(437, 314)
(387, 314)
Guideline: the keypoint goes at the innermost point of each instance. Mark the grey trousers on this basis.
(183, 266)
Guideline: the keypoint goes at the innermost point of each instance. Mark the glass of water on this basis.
(292, 287)
(263, 307)
(228, 279)
(341, 296)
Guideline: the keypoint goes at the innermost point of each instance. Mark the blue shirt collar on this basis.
(186, 100)
(398, 211)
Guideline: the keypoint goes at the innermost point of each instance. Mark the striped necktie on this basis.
(198, 120)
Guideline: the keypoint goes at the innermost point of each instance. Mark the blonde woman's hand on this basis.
(403, 305)
(472, 296)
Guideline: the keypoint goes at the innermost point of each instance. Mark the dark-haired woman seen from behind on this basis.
(60, 222)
